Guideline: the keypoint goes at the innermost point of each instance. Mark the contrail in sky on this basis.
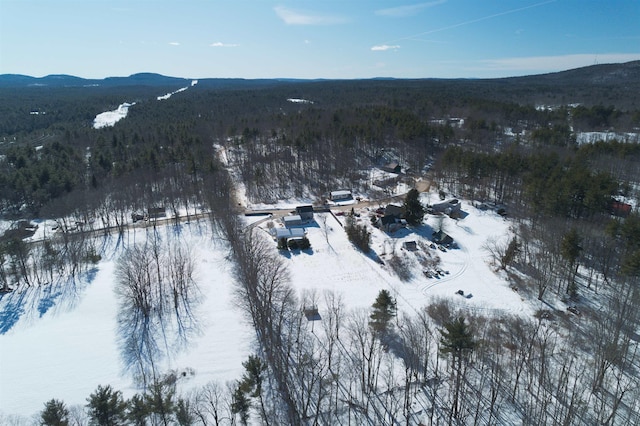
(484, 18)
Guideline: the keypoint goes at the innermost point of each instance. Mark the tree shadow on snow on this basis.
(424, 231)
(371, 254)
(12, 309)
(32, 303)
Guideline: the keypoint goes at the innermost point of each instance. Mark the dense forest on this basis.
(506, 142)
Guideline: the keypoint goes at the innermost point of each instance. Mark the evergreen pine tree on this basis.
(253, 378)
(184, 416)
(570, 250)
(358, 234)
(414, 210)
(384, 310)
(55, 413)
(138, 412)
(160, 400)
(240, 404)
(457, 341)
(106, 407)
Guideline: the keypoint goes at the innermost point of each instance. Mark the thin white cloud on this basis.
(293, 17)
(556, 63)
(383, 47)
(408, 10)
(473, 21)
(174, 43)
(220, 44)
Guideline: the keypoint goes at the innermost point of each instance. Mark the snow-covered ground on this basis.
(168, 95)
(335, 265)
(591, 137)
(64, 342)
(109, 118)
(299, 101)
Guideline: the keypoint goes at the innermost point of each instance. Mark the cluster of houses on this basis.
(389, 219)
(303, 215)
(293, 224)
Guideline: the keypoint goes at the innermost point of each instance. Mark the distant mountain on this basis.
(140, 79)
(145, 79)
(599, 74)
(594, 74)
(62, 80)
(614, 83)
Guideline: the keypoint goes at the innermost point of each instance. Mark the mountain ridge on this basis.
(592, 74)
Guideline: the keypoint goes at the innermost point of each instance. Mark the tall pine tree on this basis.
(106, 407)
(457, 341)
(384, 310)
(414, 210)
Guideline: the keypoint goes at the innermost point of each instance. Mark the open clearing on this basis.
(75, 325)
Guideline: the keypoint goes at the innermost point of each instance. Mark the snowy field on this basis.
(64, 342)
(333, 264)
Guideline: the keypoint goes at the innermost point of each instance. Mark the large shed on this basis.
(293, 220)
(287, 233)
(342, 195)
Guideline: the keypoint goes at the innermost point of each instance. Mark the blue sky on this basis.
(314, 39)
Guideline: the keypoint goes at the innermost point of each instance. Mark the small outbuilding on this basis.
(392, 167)
(442, 238)
(156, 212)
(620, 209)
(311, 313)
(410, 245)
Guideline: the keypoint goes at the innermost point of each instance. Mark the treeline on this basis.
(547, 183)
(328, 142)
(34, 177)
(37, 109)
